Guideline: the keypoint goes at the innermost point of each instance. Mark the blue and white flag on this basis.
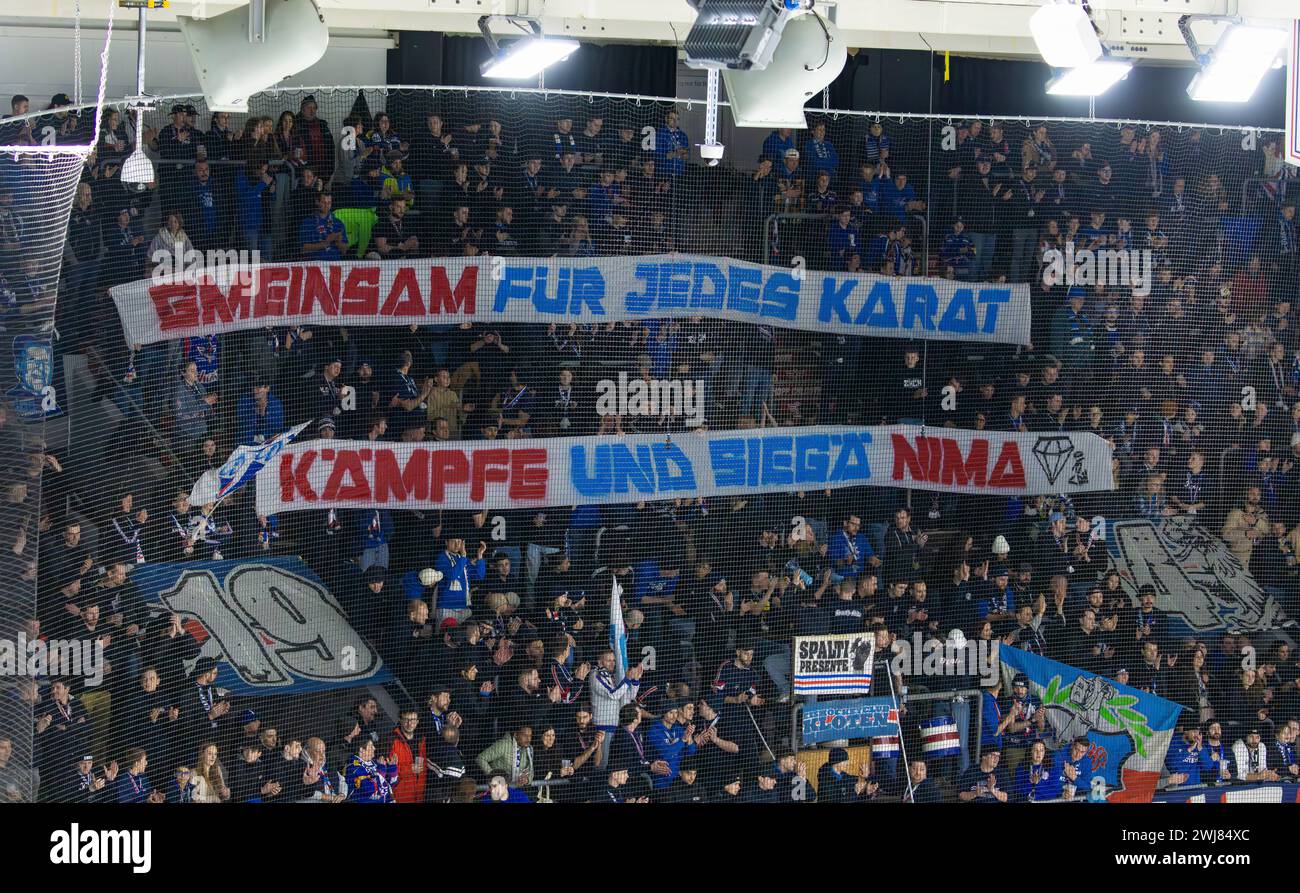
(1128, 730)
(859, 718)
(617, 630)
(242, 466)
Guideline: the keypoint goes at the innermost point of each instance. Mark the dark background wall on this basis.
(912, 81)
(872, 80)
(422, 57)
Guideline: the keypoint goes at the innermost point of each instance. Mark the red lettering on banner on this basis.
(404, 298)
(361, 292)
(443, 300)
(293, 477)
(424, 477)
(490, 467)
(939, 460)
(412, 480)
(449, 467)
(317, 290)
(216, 309)
(183, 314)
(973, 468)
(347, 464)
(528, 474)
(272, 289)
(1008, 471)
(294, 297)
(240, 297)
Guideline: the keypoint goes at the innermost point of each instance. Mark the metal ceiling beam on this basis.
(1146, 29)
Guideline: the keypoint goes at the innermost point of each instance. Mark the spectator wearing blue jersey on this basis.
(871, 182)
(1076, 769)
(994, 719)
(369, 777)
(249, 189)
(672, 147)
(670, 741)
(205, 208)
(1216, 755)
(1035, 779)
(997, 600)
(132, 786)
(877, 143)
(844, 239)
(1026, 723)
(958, 251)
(259, 414)
(457, 571)
(776, 144)
(849, 551)
(1185, 759)
(499, 791)
(374, 530)
(985, 783)
(322, 236)
(818, 152)
(898, 199)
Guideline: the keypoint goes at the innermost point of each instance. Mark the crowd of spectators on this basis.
(504, 657)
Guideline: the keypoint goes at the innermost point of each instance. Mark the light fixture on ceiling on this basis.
(1233, 69)
(1092, 79)
(526, 57)
(1064, 35)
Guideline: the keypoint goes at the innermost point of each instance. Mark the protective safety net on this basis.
(432, 444)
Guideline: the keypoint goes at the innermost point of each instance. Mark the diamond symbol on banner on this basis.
(1053, 454)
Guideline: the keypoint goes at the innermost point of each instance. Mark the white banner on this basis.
(833, 664)
(568, 290)
(500, 474)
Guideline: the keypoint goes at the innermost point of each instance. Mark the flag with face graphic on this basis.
(1128, 730)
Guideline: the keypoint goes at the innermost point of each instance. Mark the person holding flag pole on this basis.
(213, 487)
(614, 684)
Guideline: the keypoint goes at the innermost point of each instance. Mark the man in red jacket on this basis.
(407, 754)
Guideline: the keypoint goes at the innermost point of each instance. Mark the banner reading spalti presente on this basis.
(271, 624)
(833, 664)
(1128, 731)
(859, 718)
(523, 473)
(568, 290)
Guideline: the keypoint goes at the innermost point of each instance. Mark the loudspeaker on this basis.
(810, 55)
(231, 68)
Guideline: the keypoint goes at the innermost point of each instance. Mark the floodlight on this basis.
(1238, 62)
(1092, 79)
(1065, 36)
(526, 57)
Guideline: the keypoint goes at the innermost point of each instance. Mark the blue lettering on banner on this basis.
(617, 468)
(575, 286)
(788, 460)
(860, 718)
(920, 303)
(702, 285)
(920, 306)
